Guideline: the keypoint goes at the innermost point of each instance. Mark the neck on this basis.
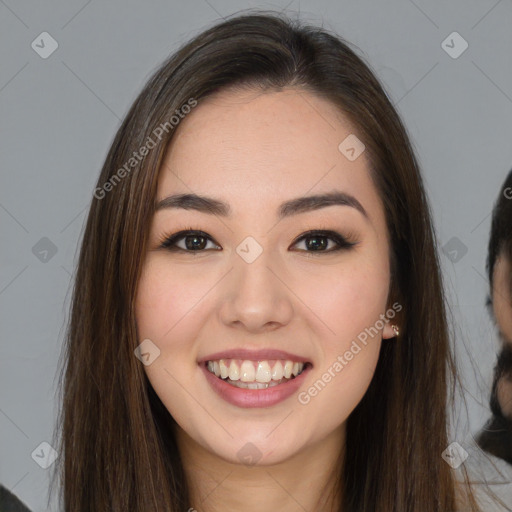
(308, 480)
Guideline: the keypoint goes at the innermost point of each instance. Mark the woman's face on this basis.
(249, 291)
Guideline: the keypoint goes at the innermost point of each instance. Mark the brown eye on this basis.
(318, 241)
(194, 241)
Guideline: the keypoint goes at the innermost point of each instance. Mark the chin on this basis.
(259, 449)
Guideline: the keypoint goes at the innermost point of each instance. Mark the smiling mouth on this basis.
(247, 374)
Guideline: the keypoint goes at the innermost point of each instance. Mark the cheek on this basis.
(350, 304)
(504, 395)
(503, 314)
(166, 310)
(347, 298)
(353, 313)
(166, 299)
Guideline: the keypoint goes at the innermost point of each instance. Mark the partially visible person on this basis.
(496, 435)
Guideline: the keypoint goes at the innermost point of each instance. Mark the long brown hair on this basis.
(117, 449)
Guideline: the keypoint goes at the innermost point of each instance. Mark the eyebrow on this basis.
(288, 208)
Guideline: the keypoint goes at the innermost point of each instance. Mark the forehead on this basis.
(247, 146)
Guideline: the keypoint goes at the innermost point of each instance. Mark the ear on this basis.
(388, 331)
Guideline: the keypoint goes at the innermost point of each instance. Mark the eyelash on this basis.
(168, 242)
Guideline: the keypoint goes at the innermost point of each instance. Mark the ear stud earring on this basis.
(395, 329)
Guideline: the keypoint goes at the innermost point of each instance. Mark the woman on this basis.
(213, 363)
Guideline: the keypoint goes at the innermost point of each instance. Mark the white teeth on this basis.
(224, 370)
(247, 372)
(255, 372)
(254, 385)
(288, 368)
(263, 373)
(234, 371)
(277, 371)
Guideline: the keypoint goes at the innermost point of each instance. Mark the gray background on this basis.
(58, 116)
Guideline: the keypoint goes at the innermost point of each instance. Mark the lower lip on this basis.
(249, 398)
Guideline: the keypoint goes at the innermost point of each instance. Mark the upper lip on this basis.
(254, 355)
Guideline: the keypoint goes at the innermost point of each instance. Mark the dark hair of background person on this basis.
(10, 503)
(117, 448)
(496, 436)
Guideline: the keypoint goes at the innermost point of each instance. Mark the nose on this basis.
(256, 297)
